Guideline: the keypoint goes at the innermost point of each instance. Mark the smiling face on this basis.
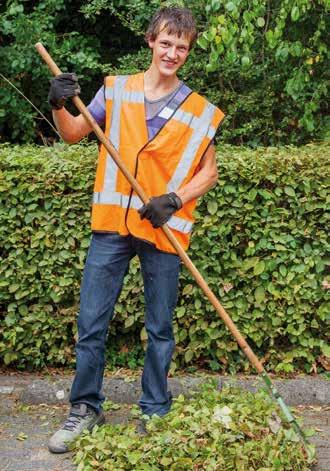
(169, 52)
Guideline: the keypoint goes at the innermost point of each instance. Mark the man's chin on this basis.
(167, 71)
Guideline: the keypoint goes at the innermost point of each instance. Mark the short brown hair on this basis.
(179, 21)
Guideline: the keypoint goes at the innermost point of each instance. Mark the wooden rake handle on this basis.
(138, 189)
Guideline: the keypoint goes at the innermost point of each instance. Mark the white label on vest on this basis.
(166, 113)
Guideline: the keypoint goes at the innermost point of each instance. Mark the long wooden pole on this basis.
(185, 258)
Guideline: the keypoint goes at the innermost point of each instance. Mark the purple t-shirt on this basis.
(157, 111)
(97, 106)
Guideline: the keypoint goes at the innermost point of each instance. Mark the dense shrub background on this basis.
(264, 63)
(260, 241)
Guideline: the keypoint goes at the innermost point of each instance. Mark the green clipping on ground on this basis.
(228, 430)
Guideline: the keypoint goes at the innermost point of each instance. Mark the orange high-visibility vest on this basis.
(162, 165)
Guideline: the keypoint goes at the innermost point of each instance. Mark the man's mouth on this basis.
(170, 63)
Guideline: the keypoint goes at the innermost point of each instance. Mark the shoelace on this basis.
(72, 421)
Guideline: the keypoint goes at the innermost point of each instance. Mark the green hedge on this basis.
(260, 241)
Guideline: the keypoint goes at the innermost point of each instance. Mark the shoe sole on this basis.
(65, 449)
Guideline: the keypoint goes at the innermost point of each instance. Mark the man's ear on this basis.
(151, 43)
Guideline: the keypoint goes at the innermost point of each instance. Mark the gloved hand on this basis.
(160, 208)
(62, 87)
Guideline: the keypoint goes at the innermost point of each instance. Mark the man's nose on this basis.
(171, 53)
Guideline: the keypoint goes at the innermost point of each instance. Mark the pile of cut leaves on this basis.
(227, 430)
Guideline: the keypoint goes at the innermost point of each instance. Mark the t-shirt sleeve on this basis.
(97, 106)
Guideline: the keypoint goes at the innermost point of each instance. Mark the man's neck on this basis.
(157, 85)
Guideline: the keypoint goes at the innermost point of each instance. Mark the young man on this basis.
(163, 132)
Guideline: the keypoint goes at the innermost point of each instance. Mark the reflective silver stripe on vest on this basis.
(193, 121)
(109, 93)
(184, 117)
(111, 169)
(119, 86)
(117, 199)
(202, 127)
(127, 95)
(133, 96)
(180, 224)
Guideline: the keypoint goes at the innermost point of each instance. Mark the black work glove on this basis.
(160, 208)
(63, 86)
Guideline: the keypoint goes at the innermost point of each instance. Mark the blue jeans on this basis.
(106, 265)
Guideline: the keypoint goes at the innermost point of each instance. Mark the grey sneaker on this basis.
(81, 417)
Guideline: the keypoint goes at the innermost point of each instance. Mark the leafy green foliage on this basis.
(227, 430)
(263, 63)
(132, 13)
(43, 201)
(125, 351)
(22, 25)
(278, 56)
(260, 241)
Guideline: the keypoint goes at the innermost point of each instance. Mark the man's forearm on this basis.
(72, 128)
(198, 185)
